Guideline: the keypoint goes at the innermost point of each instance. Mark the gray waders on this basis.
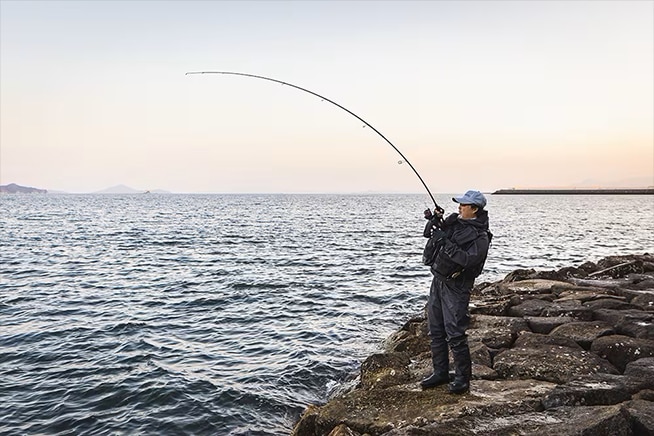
(448, 321)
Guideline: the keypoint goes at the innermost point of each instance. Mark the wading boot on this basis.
(462, 365)
(436, 379)
(440, 363)
(460, 385)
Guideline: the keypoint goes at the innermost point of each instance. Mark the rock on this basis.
(412, 338)
(480, 354)
(379, 411)
(544, 325)
(581, 294)
(496, 306)
(642, 370)
(645, 300)
(532, 307)
(594, 390)
(636, 323)
(591, 420)
(614, 303)
(532, 286)
(496, 331)
(642, 417)
(519, 299)
(551, 363)
(583, 333)
(536, 340)
(569, 308)
(306, 426)
(383, 370)
(343, 430)
(531, 375)
(645, 394)
(620, 350)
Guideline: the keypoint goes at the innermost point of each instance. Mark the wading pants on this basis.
(449, 319)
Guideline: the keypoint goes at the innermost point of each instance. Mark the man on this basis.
(462, 242)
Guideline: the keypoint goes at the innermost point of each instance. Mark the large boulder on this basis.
(620, 350)
(636, 323)
(496, 331)
(593, 390)
(383, 370)
(641, 413)
(584, 333)
(544, 324)
(641, 371)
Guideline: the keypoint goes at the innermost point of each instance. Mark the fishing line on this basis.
(404, 159)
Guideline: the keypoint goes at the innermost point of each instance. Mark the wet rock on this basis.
(583, 333)
(493, 306)
(411, 338)
(383, 370)
(620, 350)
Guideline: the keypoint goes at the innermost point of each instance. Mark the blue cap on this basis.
(472, 197)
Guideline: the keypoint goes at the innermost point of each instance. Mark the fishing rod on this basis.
(335, 104)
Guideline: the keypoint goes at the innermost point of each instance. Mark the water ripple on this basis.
(204, 315)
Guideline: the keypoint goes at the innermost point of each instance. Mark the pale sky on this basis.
(485, 95)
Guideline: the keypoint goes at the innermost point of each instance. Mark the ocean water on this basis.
(229, 314)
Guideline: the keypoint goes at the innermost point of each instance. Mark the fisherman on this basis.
(462, 240)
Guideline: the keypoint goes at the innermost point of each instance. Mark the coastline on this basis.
(554, 352)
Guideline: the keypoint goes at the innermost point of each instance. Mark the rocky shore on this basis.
(567, 352)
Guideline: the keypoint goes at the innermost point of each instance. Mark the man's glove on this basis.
(428, 214)
(438, 235)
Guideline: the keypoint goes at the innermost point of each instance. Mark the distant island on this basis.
(615, 191)
(13, 188)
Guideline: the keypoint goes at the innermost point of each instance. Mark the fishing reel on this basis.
(438, 212)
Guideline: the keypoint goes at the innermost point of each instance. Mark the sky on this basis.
(476, 95)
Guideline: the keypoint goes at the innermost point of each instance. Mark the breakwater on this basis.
(554, 352)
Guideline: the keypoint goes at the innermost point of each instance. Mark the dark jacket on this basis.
(464, 249)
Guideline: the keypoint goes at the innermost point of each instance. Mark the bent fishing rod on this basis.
(335, 104)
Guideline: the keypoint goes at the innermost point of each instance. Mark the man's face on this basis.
(467, 211)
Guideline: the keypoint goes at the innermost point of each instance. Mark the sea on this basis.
(230, 314)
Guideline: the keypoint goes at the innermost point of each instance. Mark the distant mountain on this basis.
(13, 188)
(122, 189)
